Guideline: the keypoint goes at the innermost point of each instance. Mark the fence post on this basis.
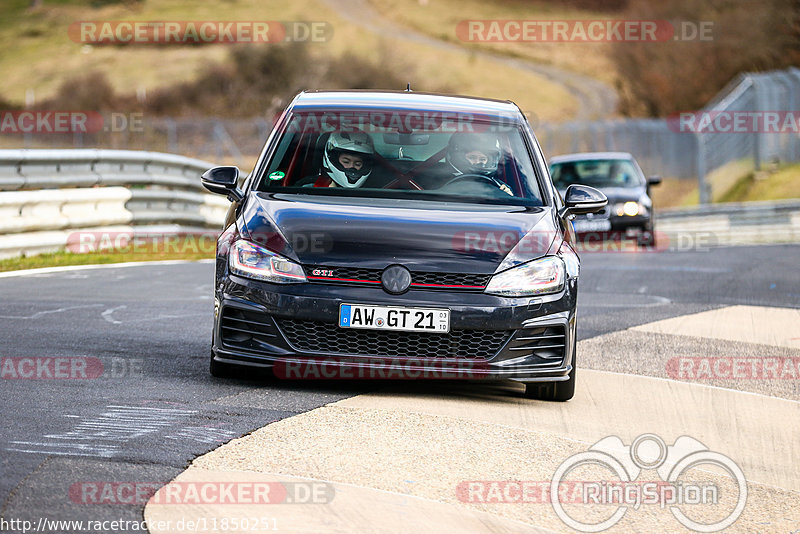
(703, 188)
(794, 74)
(172, 136)
(756, 137)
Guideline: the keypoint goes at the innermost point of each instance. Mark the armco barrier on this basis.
(46, 169)
(744, 223)
(47, 194)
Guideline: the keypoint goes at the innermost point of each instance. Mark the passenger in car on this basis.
(469, 154)
(347, 161)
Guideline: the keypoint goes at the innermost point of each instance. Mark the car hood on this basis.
(374, 233)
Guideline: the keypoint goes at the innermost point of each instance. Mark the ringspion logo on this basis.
(677, 491)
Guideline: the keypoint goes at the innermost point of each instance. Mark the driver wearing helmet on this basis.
(471, 153)
(474, 154)
(346, 161)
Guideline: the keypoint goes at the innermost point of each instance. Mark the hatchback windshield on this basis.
(404, 154)
(596, 173)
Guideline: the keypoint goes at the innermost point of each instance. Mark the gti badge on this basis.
(396, 279)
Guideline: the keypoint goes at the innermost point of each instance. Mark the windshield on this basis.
(596, 173)
(404, 154)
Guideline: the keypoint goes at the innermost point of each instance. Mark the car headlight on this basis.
(254, 261)
(630, 209)
(539, 277)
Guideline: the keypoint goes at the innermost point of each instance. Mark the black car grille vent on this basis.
(328, 338)
(247, 330)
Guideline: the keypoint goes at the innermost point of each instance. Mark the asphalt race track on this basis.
(148, 405)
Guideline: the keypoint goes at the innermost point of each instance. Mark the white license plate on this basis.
(583, 225)
(394, 318)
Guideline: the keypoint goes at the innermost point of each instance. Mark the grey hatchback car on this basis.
(617, 174)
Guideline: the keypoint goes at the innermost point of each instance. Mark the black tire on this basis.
(649, 242)
(554, 391)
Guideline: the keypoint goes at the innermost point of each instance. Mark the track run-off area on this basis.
(701, 344)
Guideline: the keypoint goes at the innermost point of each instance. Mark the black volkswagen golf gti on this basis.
(399, 235)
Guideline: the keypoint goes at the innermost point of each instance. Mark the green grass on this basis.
(674, 193)
(734, 182)
(185, 250)
(777, 184)
(774, 184)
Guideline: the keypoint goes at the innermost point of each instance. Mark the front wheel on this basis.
(554, 391)
(647, 238)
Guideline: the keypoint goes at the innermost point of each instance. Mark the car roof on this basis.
(582, 156)
(404, 100)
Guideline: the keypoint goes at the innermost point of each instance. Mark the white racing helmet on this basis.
(352, 143)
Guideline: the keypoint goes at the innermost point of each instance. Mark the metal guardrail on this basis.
(657, 144)
(46, 196)
(40, 169)
(751, 210)
(743, 223)
(661, 147)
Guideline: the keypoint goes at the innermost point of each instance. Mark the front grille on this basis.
(247, 330)
(343, 274)
(315, 336)
(444, 279)
(545, 344)
(373, 277)
(600, 215)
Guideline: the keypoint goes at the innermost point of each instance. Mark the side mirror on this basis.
(223, 181)
(580, 199)
(653, 180)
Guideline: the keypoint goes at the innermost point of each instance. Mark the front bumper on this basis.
(638, 222)
(262, 325)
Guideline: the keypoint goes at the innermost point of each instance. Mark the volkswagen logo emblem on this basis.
(396, 279)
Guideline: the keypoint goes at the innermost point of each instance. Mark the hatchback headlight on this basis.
(539, 277)
(631, 209)
(254, 261)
